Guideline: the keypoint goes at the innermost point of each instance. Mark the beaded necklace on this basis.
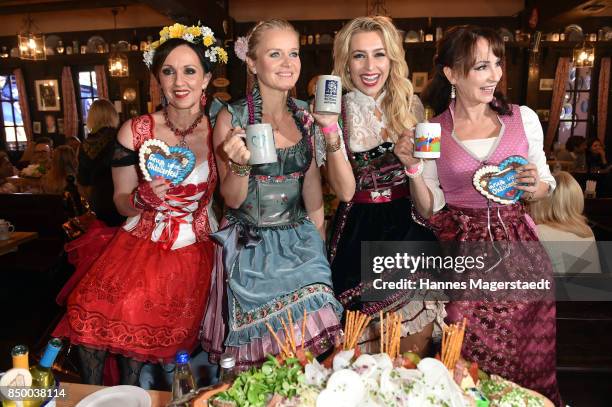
(181, 134)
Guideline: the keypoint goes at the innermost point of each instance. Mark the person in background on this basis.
(144, 297)
(379, 110)
(563, 228)
(74, 142)
(6, 170)
(39, 152)
(596, 159)
(95, 156)
(273, 251)
(63, 165)
(515, 338)
(575, 152)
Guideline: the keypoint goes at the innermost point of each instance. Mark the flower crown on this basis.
(195, 34)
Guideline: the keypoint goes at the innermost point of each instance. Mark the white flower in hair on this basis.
(241, 48)
(147, 57)
(188, 37)
(211, 54)
(207, 32)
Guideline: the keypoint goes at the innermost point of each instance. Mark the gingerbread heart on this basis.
(497, 182)
(172, 163)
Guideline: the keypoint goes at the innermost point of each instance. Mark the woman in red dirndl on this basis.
(145, 296)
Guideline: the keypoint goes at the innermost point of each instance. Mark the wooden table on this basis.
(16, 238)
(77, 392)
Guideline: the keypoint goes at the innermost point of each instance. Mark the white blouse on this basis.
(363, 125)
(481, 148)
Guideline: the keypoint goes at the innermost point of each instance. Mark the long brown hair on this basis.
(564, 209)
(397, 103)
(457, 50)
(64, 163)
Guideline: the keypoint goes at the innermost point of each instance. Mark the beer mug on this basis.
(427, 140)
(6, 228)
(328, 96)
(260, 142)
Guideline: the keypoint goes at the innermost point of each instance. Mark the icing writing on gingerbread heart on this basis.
(172, 163)
(497, 182)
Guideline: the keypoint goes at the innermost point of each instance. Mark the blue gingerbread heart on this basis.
(497, 182)
(175, 166)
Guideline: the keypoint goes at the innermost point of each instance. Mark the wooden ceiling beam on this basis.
(12, 7)
(209, 12)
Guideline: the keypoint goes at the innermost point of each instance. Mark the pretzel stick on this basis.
(366, 320)
(382, 333)
(351, 327)
(361, 324)
(291, 332)
(355, 332)
(303, 328)
(287, 336)
(398, 336)
(278, 342)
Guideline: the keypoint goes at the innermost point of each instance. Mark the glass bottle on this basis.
(228, 368)
(42, 376)
(183, 382)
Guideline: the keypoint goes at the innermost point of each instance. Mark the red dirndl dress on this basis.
(145, 296)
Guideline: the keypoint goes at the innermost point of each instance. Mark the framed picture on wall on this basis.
(50, 124)
(47, 95)
(543, 114)
(36, 128)
(547, 83)
(419, 80)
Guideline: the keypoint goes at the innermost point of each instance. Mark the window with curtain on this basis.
(88, 92)
(575, 110)
(12, 122)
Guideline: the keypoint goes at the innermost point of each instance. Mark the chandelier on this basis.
(118, 66)
(31, 45)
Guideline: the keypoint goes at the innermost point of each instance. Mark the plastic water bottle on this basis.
(183, 383)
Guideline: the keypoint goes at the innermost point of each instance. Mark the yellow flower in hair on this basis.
(177, 30)
(162, 40)
(194, 30)
(164, 33)
(155, 44)
(222, 54)
(208, 41)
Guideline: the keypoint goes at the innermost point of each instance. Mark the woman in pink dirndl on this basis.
(514, 339)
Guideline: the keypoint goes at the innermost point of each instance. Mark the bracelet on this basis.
(242, 170)
(333, 147)
(415, 173)
(530, 197)
(330, 129)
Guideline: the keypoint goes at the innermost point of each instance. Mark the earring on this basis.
(163, 101)
(203, 100)
(453, 92)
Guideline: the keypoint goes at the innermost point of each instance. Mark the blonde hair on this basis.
(255, 34)
(564, 209)
(397, 103)
(64, 163)
(102, 113)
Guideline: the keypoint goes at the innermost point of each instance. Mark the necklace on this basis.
(181, 134)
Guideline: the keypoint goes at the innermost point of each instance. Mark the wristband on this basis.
(330, 129)
(415, 173)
